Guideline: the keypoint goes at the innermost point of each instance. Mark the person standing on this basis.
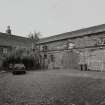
(82, 62)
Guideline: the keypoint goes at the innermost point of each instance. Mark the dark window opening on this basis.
(45, 56)
(52, 58)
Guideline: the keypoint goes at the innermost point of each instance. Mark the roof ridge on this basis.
(94, 26)
(13, 35)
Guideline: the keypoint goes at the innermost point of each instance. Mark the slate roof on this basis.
(77, 33)
(13, 40)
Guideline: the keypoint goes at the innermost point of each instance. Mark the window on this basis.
(71, 45)
(52, 58)
(1, 50)
(5, 50)
(40, 56)
(45, 48)
(45, 56)
(41, 48)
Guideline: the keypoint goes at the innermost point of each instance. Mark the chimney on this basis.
(8, 30)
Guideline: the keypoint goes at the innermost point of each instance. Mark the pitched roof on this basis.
(77, 33)
(13, 40)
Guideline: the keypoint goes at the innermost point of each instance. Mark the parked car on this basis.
(19, 68)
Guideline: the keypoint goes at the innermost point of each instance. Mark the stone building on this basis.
(9, 42)
(68, 49)
(63, 51)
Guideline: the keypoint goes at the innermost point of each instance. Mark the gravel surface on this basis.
(47, 88)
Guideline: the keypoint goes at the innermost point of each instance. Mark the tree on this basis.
(35, 47)
(34, 35)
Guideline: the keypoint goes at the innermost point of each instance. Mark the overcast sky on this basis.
(50, 17)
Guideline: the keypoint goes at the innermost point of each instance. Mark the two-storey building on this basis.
(68, 50)
(9, 42)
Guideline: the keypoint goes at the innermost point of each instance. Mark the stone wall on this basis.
(9, 43)
(71, 58)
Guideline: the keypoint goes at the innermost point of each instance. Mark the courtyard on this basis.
(53, 87)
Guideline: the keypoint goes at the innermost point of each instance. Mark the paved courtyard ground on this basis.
(39, 87)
